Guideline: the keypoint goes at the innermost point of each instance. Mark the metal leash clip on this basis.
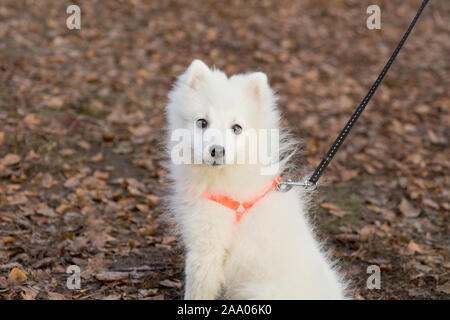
(285, 186)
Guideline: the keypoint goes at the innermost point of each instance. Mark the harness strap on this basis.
(238, 207)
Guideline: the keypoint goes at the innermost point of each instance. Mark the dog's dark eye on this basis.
(202, 123)
(237, 129)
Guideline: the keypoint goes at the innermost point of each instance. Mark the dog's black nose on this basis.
(217, 151)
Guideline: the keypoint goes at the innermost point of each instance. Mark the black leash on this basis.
(312, 181)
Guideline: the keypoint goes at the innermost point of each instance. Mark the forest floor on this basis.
(82, 178)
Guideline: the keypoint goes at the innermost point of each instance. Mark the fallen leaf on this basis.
(7, 240)
(142, 207)
(347, 175)
(48, 181)
(3, 283)
(55, 296)
(430, 203)
(444, 288)
(31, 120)
(109, 136)
(17, 199)
(413, 248)
(386, 213)
(72, 182)
(168, 240)
(112, 297)
(67, 152)
(152, 199)
(422, 267)
(54, 103)
(212, 34)
(158, 297)
(47, 212)
(10, 160)
(29, 293)
(111, 275)
(101, 175)
(171, 283)
(366, 232)
(84, 145)
(334, 210)
(141, 130)
(407, 209)
(97, 158)
(17, 276)
(62, 208)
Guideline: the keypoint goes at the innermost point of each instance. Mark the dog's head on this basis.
(215, 120)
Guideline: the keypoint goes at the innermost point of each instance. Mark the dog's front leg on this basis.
(204, 274)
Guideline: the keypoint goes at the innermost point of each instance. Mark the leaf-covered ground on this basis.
(82, 178)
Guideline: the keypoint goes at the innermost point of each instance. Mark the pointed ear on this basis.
(258, 86)
(196, 73)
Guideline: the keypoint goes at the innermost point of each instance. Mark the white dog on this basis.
(243, 238)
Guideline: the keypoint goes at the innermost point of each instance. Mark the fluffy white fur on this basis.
(272, 252)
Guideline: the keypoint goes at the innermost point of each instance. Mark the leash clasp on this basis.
(285, 186)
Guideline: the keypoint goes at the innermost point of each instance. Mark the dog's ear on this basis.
(258, 86)
(196, 73)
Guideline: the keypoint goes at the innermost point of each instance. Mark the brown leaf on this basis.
(294, 85)
(147, 230)
(435, 139)
(158, 297)
(387, 214)
(55, 296)
(171, 283)
(54, 103)
(2, 138)
(29, 293)
(10, 160)
(111, 275)
(347, 175)
(46, 211)
(48, 181)
(212, 34)
(31, 120)
(17, 199)
(97, 158)
(3, 283)
(101, 175)
(142, 207)
(152, 199)
(7, 240)
(407, 209)
(422, 267)
(141, 130)
(142, 73)
(62, 208)
(67, 152)
(17, 276)
(430, 203)
(168, 240)
(366, 232)
(72, 182)
(334, 210)
(84, 145)
(413, 248)
(444, 288)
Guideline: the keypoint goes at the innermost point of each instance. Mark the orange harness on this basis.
(238, 207)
